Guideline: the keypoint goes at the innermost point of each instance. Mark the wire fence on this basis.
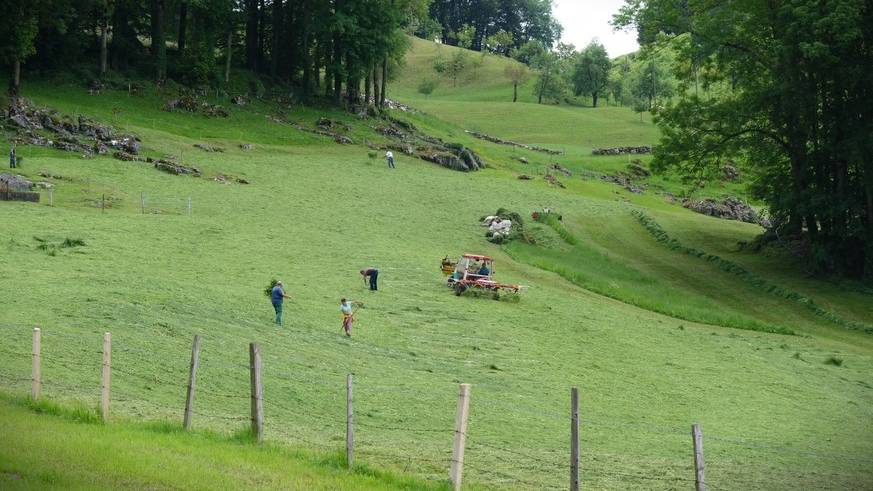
(517, 441)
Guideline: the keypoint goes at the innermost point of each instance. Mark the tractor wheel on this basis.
(459, 289)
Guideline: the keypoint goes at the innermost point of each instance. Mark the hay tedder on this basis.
(474, 273)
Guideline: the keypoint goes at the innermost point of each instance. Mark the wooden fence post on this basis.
(457, 469)
(257, 392)
(36, 376)
(192, 380)
(189, 206)
(142, 202)
(107, 364)
(350, 428)
(103, 203)
(574, 439)
(699, 480)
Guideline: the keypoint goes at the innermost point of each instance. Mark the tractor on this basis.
(475, 273)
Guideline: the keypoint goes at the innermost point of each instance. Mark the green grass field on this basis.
(648, 334)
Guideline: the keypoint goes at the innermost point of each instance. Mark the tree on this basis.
(457, 63)
(500, 42)
(523, 20)
(528, 52)
(18, 29)
(650, 82)
(794, 102)
(465, 36)
(591, 73)
(159, 43)
(550, 83)
(517, 73)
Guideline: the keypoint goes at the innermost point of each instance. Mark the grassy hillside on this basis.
(54, 451)
(778, 411)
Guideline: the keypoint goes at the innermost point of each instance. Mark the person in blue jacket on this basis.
(277, 296)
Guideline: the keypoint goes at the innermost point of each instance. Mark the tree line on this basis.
(793, 100)
(317, 46)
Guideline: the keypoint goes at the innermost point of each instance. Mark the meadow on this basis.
(649, 335)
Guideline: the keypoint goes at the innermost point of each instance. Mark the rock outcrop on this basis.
(622, 150)
(729, 208)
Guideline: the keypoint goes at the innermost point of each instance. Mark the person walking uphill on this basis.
(13, 161)
(373, 274)
(389, 156)
(277, 296)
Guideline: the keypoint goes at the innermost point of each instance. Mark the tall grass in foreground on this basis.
(595, 271)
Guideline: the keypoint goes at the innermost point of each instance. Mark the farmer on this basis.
(390, 158)
(12, 159)
(277, 295)
(348, 316)
(484, 271)
(373, 273)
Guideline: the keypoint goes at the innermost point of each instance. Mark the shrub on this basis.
(427, 86)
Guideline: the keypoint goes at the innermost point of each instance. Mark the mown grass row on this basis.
(552, 220)
(663, 237)
(597, 272)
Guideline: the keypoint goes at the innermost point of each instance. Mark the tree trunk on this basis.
(16, 76)
(367, 80)
(252, 34)
(104, 38)
(159, 44)
(384, 82)
(594, 99)
(277, 33)
(375, 85)
(229, 53)
(261, 36)
(183, 24)
(514, 91)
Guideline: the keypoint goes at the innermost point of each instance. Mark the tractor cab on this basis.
(473, 272)
(473, 267)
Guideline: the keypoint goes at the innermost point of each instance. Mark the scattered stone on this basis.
(214, 110)
(246, 146)
(669, 198)
(493, 139)
(44, 185)
(554, 181)
(729, 208)
(523, 160)
(396, 105)
(343, 139)
(391, 131)
(239, 100)
(622, 150)
(185, 103)
(561, 169)
(525, 177)
(625, 181)
(15, 182)
(331, 124)
(729, 172)
(177, 169)
(242, 180)
(208, 148)
(129, 157)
